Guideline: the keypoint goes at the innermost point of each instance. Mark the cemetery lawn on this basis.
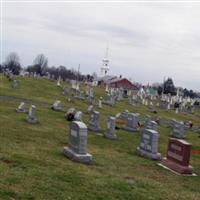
(32, 164)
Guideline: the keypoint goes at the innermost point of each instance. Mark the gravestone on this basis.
(57, 106)
(20, 108)
(32, 115)
(152, 109)
(132, 122)
(108, 100)
(121, 119)
(81, 95)
(120, 95)
(69, 115)
(110, 132)
(178, 130)
(149, 145)
(90, 109)
(164, 104)
(78, 116)
(188, 125)
(178, 156)
(171, 123)
(94, 121)
(76, 149)
(100, 103)
(147, 118)
(90, 99)
(14, 83)
(151, 125)
(158, 120)
(66, 91)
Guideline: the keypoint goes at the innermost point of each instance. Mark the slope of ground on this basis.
(32, 165)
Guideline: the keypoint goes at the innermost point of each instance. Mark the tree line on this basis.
(40, 67)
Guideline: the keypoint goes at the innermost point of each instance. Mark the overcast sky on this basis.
(147, 41)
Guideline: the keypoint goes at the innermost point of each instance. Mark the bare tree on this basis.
(40, 64)
(12, 63)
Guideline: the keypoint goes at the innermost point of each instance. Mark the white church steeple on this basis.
(105, 64)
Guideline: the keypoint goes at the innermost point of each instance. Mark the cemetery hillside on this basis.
(68, 141)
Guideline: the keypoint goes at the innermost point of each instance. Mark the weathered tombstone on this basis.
(58, 82)
(69, 115)
(178, 156)
(90, 99)
(132, 122)
(147, 118)
(108, 100)
(178, 130)
(81, 95)
(100, 103)
(14, 83)
(90, 109)
(94, 121)
(32, 115)
(76, 150)
(158, 120)
(152, 109)
(171, 123)
(164, 104)
(66, 91)
(120, 95)
(188, 125)
(121, 119)
(57, 106)
(151, 125)
(110, 132)
(149, 145)
(91, 92)
(78, 116)
(20, 108)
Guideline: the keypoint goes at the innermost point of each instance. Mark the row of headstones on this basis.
(178, 153)
(162, 103)
(71, 114)
(177, 159)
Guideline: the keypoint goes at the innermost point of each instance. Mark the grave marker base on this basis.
(177, 167)
(130, 129)
(82, 158)
(56, 109)
(149, 155)
(20, 110)
(165, 167)
(95, 129)
(31, 120)
(110, 136)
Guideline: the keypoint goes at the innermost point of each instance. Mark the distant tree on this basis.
(1, 68)
(160, 90)
(169, 87)
(12, 63)
(40, 64)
